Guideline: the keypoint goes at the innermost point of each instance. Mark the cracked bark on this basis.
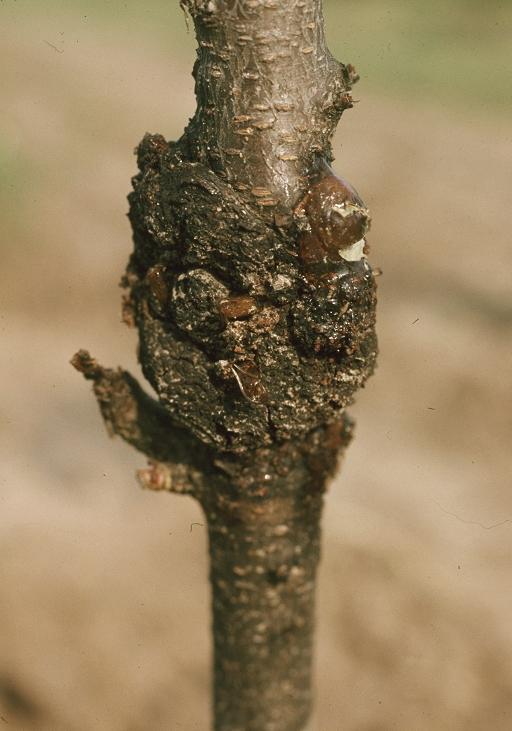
(255, 306)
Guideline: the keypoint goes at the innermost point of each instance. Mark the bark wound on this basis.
(255, 307)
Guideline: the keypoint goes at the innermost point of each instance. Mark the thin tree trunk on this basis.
(268, 91)
(264, 551)
(263, 603)
(255, 307)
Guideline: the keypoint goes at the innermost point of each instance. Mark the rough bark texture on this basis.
(255, 307)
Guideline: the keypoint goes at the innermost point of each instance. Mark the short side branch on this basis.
(178, 461)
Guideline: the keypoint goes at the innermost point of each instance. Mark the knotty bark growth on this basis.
(255, 307)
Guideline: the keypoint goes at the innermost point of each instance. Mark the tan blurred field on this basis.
(103, 588)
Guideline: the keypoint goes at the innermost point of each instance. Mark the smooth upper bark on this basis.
(270, 94)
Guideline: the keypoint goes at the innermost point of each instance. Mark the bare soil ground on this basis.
(103, 591)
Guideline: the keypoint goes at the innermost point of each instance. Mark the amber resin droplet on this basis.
(336, 219)
(236, 308)
(157, 284)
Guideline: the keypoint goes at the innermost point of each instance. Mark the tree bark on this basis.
(264, 531)
(255, 306)
(269, 93)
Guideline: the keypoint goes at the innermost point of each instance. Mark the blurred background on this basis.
(103, 588)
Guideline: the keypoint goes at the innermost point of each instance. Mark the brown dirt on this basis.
(104, 600)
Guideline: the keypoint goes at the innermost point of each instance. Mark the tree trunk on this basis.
(255, 307)
(264, 550)
(268, 93)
